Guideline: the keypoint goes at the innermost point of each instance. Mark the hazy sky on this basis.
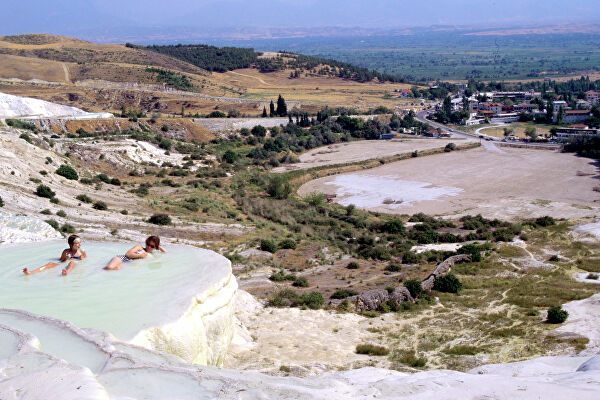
(81, 16)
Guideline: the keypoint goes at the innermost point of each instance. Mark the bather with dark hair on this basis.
(135, 253)
(74, 252)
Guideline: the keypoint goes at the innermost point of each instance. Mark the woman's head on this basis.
(152, 243)
(74, 241)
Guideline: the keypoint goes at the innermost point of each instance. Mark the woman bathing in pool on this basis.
(135, 253)
(74, 252)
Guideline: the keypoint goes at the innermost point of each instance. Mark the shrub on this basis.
(447, 283)
(103, 177)
(343, 293)
(26, 137)
(281, 276)
(287, 244)
(1, 202)
(86, 181)
(315, 199)
(164, 128)
(115, 181)
(141, 191)
(44, 191)
(592, 276)
(230, 156)
(554, 258)
(353, 265)
(84, 198)
(393, 267)
(54, 200)
(259, 131)
(46, 212)
(556, 315)
(414, 287)
(394, 226)
(68, 172)
(279, 187)
(312, 300)
(450, 147)
(160, 219)
(268, 245)
(372, 350)
(216, 114)
(61, 213)
(473, 250)
(52, 223)
(301, 282)
(545, 221)
(100, 205)
(68, 229)
(411, 258)
(124, 212)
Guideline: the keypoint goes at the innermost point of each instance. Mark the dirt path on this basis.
(250, 76)
(67, 77)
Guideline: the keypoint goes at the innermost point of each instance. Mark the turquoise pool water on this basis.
(143, 294)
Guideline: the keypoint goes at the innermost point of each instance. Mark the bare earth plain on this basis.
(349, 152)
(506, 184)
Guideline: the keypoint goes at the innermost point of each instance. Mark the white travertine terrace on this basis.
(26, 107)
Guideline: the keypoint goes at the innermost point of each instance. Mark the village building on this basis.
(592, 97)
(575, 116)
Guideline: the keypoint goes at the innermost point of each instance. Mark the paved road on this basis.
(421, 116)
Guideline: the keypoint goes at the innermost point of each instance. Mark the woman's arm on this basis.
(161, 249)
(63, 256)
(83, 254)
(133, 253)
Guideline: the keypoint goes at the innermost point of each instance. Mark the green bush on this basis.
(54, 200)
(343, 293)
(52, 223)
(472, 249)
(414, 287)
(84, 198)
(556, 315)
(230, 156)
(259, 131)
(301, 282)
(393, 267)
(46, 211)
(545, 221)
(17, 123)
(287, 244)
(103, 177)
(450, 147)
(26, 137)
(160, 219)
(279, 187)
(141, 191)
(281, 276)
(411, 258)
(394, 226)
(372, 350)
(447, 283)
(44, 191)
(1, 202)
(124, 212)
(115, 182)
(216, 114)
(313, 300)
(268, 245)
(315, 199)
(68, 229)
(353, 265)
(61, 213)
(164, 128)
(68, 172)
(100, 205)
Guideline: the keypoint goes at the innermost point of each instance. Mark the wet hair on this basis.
(155, 240)
(71, 240)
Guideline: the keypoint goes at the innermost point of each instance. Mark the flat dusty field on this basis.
(341, 153)
(506, 184)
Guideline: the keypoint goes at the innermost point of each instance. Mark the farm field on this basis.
(507, 183)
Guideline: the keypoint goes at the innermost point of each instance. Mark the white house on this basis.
(592, 97)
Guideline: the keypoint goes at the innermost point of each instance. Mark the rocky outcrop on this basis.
(443, 268)
(371, 300)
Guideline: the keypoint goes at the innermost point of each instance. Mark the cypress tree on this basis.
(281, 107)
(271, 109)
(264, 114)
